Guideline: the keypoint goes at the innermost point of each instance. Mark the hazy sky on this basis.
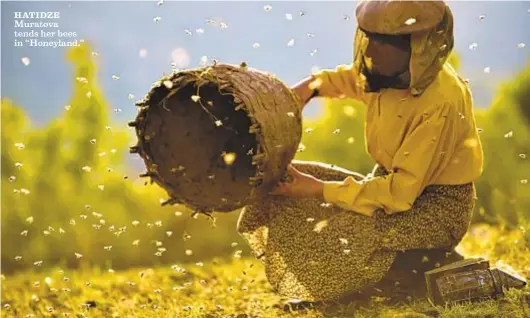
(286, 38)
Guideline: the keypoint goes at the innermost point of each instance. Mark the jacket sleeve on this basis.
(425, 152)
(337, 83)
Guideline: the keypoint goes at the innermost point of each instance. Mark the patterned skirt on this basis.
(315, 251)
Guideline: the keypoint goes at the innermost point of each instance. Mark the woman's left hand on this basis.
(301, 186)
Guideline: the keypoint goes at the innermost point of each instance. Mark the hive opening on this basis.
(207, 153)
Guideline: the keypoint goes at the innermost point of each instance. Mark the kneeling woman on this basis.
(408, 215)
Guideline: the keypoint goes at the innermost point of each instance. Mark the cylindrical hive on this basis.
(217, 138)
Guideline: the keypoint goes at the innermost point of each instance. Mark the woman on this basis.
(420, 130)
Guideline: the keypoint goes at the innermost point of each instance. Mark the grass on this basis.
(236, 288)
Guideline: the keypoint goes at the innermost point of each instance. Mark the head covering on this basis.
(430, 25)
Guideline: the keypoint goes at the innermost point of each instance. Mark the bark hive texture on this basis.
(217, 138)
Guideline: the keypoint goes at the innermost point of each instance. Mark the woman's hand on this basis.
(301, 185)
(303, 90)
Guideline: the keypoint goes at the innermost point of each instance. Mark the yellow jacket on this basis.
(422, 135)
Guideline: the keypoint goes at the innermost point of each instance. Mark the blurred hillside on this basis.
(69, 198)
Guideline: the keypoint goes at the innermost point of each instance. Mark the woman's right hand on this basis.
(303, 90)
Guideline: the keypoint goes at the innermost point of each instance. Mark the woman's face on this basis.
(387, 55)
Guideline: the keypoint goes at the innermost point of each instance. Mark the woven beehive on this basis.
(219, 137)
